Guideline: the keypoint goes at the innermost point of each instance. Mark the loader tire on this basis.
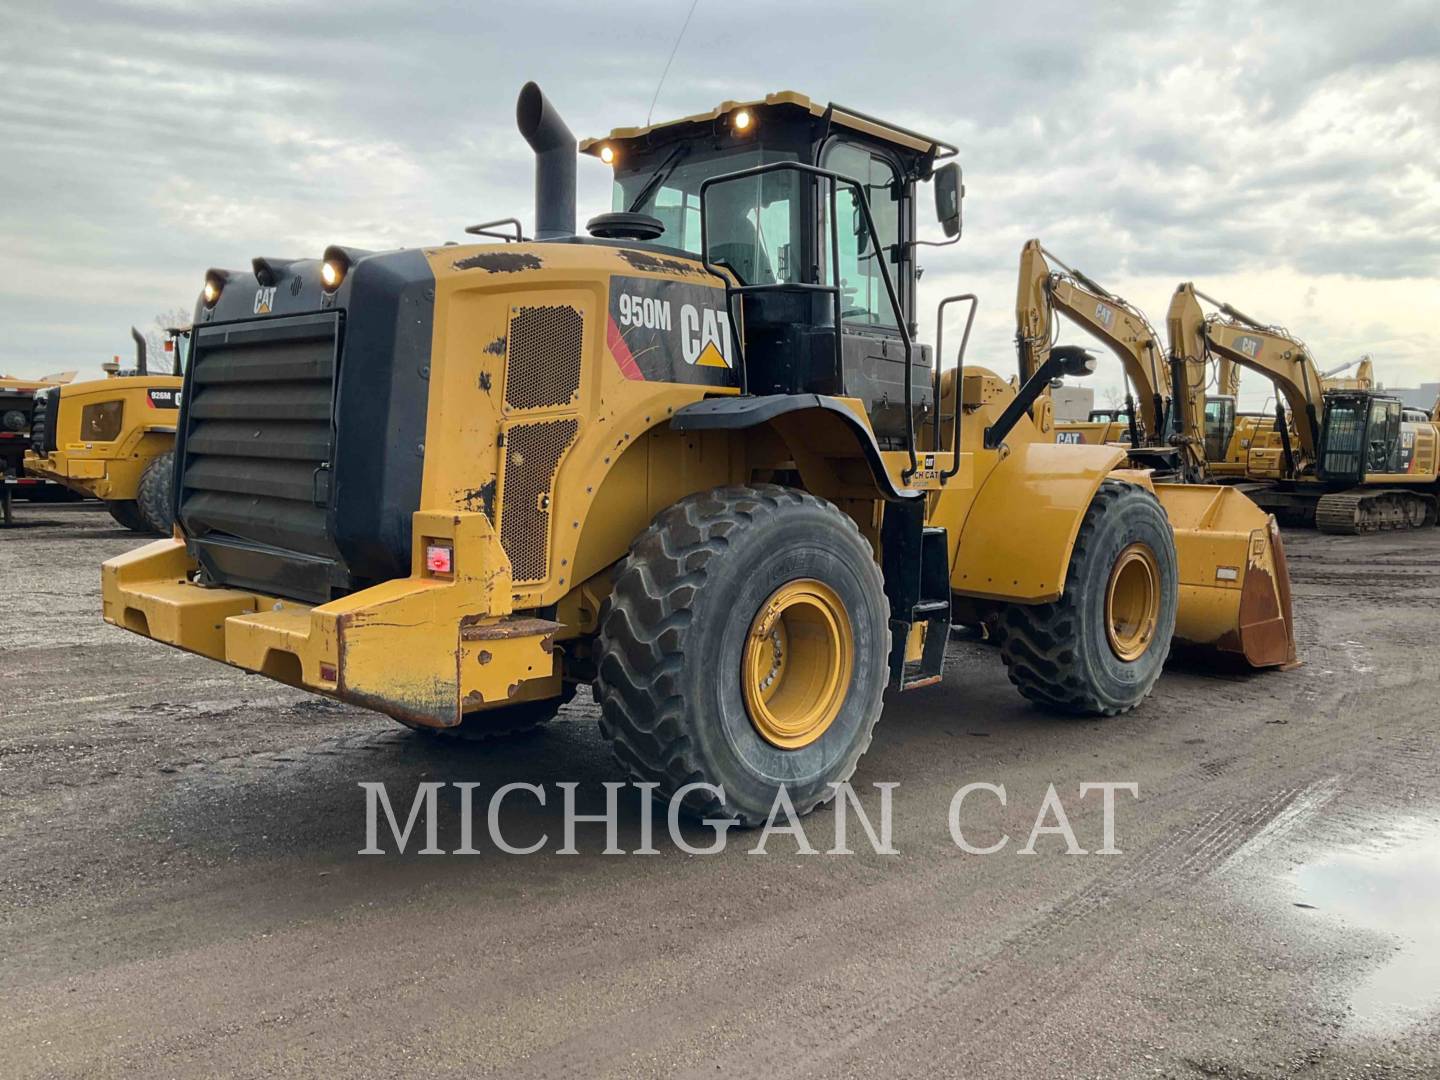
(497, 725)
(157, 493)
(126, 512)
(1098, 650)
(744, 645)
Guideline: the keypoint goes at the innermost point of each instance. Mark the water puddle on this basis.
(1392, 886)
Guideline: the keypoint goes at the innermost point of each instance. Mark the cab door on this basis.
(872, 347)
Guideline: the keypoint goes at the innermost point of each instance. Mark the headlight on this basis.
(332, 273)
(14, 420)
(607, 155)
(214, 286)
(101, 423)
(741, 120)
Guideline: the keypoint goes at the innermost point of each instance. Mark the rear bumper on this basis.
(419, 648)
(88, 475)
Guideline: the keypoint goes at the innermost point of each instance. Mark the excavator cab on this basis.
(1361, 435)
(1219, 426)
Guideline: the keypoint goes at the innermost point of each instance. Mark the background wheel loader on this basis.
(113, 438)
(695, 459)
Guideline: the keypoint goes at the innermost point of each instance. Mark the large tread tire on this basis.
(672, 635)
(503, 724)
(1058, 654)
(157, 493)
(126, 513)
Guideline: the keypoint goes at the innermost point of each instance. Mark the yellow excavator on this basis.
(112, 438)
(1179, 429)
(1347, 459)
(695, 459)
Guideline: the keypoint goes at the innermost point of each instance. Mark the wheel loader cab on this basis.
(812, 214)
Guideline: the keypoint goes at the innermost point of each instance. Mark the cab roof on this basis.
(838, 114)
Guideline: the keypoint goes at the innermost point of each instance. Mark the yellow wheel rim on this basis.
(799, 657)
(1132, 602)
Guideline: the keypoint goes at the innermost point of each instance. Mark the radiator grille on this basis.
(532, 456)
(258, 434)
(542, 359)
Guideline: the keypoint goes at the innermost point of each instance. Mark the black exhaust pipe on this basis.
(140, 368)
(556, 151)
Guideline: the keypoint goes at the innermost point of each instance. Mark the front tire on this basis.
(1098, 650)
(745, 645)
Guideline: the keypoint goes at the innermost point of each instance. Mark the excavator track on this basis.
(1363, 510)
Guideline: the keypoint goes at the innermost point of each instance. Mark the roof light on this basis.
(607, 155)
(332, 272)
(742, 120)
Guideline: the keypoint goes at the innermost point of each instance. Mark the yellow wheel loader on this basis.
(695, 459)
(113, 438)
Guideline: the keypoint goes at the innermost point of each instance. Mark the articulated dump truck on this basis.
(694, 459)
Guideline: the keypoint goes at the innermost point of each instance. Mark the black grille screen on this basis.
(42, 421)
(543, 353)
(259, 439)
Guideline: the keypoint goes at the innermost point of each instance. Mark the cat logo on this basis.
(1248, 345)
(264, 299)
(1068, 438)
(1104, 315)
(705, 336)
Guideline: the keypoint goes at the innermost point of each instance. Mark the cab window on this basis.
(862, 288)
(752, 222)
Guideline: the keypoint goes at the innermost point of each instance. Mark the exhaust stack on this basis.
(556, 150)
(140, 368)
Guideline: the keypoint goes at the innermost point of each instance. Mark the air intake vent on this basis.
(532, 457)
(542, 360)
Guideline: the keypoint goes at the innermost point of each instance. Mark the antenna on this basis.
(679, 37)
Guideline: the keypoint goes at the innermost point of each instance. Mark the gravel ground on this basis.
(181, 891)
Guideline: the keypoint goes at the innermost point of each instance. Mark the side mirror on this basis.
(949, 192)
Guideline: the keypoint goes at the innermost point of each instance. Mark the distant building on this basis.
(1075, 402)
(1421, 397)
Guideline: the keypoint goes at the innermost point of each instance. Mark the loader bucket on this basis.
(1234, 583)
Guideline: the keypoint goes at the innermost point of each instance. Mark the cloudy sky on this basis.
(1285, 156)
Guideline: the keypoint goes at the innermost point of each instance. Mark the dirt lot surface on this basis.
(181, 891)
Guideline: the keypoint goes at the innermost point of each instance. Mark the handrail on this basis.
(835, 179)
(959, 376)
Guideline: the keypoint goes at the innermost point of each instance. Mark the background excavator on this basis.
(1347, 459)
(1171, 423)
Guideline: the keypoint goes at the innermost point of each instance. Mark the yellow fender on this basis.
(1016, 539)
